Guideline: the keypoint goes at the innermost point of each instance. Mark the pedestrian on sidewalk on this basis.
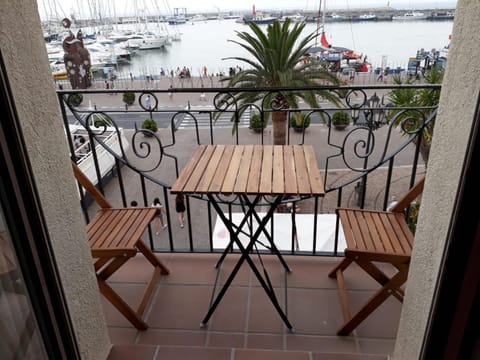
(180, 209)
(159, 216)
(148, 103)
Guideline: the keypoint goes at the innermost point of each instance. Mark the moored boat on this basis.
(414, 15)
(258, 17)
(441, 15)
(337, 58)
(147, 40)
(365, 17)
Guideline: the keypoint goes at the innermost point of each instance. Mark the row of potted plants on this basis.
(299, 121)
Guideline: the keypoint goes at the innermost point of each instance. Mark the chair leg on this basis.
(380, 276)
(150, 256)
(342, 266)
(374, 302)
(121, 305)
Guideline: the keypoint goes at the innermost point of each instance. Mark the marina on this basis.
(155, 48)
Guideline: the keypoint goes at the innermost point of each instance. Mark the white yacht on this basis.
(414, 15)
(147, 40)
(198, 18)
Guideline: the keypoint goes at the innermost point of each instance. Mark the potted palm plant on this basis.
(340, 120)
(276, 61)
(128, 98)
(151, 125)
(75, 99)
(299, 121)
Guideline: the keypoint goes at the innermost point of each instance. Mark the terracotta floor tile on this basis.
(129, 292)
(226, 339)
(264, 318)
(382, 322)
(330, 344)
(172, 337)
(123, 335)
(262, 341)
(376, 346)
(128, 352)
(191, 269)
(179, 307)
(247, 354)
(196, 353)
(311, 272)
(230, 314)
(314, 312)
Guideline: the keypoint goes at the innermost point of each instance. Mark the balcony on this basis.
(365, 166)
(245, 324)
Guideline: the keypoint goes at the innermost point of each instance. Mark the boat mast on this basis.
(320, 21)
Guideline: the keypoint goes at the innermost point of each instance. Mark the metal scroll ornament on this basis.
(76, 59)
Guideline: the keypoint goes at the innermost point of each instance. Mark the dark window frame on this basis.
(453, 324)
(26, 224)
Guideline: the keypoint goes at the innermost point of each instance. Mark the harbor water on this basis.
(209, 43)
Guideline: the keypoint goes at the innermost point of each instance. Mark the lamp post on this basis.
(374, 114)
(355, 101)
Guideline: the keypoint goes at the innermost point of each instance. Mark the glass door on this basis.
(19, 332)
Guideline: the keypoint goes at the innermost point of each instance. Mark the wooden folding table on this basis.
(249, 173)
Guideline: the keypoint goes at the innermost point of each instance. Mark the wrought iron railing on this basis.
(365, 165)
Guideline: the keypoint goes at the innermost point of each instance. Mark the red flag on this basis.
(323, 40)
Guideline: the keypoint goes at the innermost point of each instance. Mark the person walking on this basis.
(380, 76)
(148, 103)
(180, 209)
(159, 216)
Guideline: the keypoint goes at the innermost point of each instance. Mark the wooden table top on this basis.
(251, 169)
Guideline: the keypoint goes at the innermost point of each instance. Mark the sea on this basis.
(211, 44)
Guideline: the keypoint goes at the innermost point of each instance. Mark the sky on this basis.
(63, 8)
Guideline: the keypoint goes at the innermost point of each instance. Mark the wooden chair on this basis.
(114, 236)
(381, 237)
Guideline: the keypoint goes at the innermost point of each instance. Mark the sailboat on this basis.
(259, 17)
(338, 58)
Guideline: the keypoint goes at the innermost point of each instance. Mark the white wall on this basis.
(460, 90)
(23, 49)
